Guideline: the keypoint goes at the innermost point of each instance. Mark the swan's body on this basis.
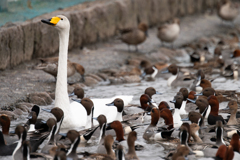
(110, 112)
(75, 115)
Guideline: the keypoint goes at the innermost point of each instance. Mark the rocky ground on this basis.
(18, 84)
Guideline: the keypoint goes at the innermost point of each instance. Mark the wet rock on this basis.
(90, 81)
(134, 62)
(41, 98)
(18, 111)
(28, 38)
(23, 107)
(52, 95)
(132, 79)
(43, 39)
(95, 77)
(28, 105)
(4, 49)
(103, 76)
(125, 79)
(10, 114)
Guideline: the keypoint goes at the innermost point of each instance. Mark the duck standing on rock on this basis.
(169, 32)
(50, 65)
(228, 11)
(134, 36)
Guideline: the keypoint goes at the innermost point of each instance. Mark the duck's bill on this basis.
(185, 119)
(47, 110)
(193, 101)
(173, 101)
(77, 100)
(143, 74)
(166, 71)
(110, 104)
(94, 118)
(200, 94)
(30, 115)
(71, 94)
(158, 93)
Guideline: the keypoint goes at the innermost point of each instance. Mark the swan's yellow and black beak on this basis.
(52, 21)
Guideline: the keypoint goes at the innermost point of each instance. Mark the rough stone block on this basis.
(16, 42)
(41, 98)
(46, 41)
(28, 40)
(4, 49)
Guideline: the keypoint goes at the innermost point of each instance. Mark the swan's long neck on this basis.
(61, 94)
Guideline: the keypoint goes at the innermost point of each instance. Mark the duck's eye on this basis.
(61, 19)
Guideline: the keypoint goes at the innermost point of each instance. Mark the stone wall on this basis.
(90, 22)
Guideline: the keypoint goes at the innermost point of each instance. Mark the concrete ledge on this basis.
(90, 22)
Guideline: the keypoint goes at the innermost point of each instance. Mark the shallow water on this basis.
(18, 10)
(151, 149)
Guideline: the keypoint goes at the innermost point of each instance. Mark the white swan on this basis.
(75, 115)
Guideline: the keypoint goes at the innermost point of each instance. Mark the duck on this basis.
(194, 129)
(152, 132)
(219, 133)
(109, 155)
(22, 135)
(184, 136)
(5, 123)
(78, 91)
(146, 103)
(74, 137)
(149, 73)
(213, 116)
(89, 106)
(49, 142)
(195, 85)
(225, 152)
(177, 79)
(187, 127)
(162, 105)
(235, 143)
(176, 116)
(113, 111)
(131, 154)
(150, 91)
(166, 114)
(204, 83)
(195, 117)
(50, 66)
(169, 32)
(75, 113)
(179, 103)
(32, 119)
(190, 106)
(228, 11)
(58, 114)
(100, 102)
(182, 151)
(5, 149)
(184, 92)
(134, 36)
(232, 106)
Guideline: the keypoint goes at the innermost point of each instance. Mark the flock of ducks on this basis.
(205, 134)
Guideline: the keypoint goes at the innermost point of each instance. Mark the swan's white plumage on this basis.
(75, 115)
(110, 112)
